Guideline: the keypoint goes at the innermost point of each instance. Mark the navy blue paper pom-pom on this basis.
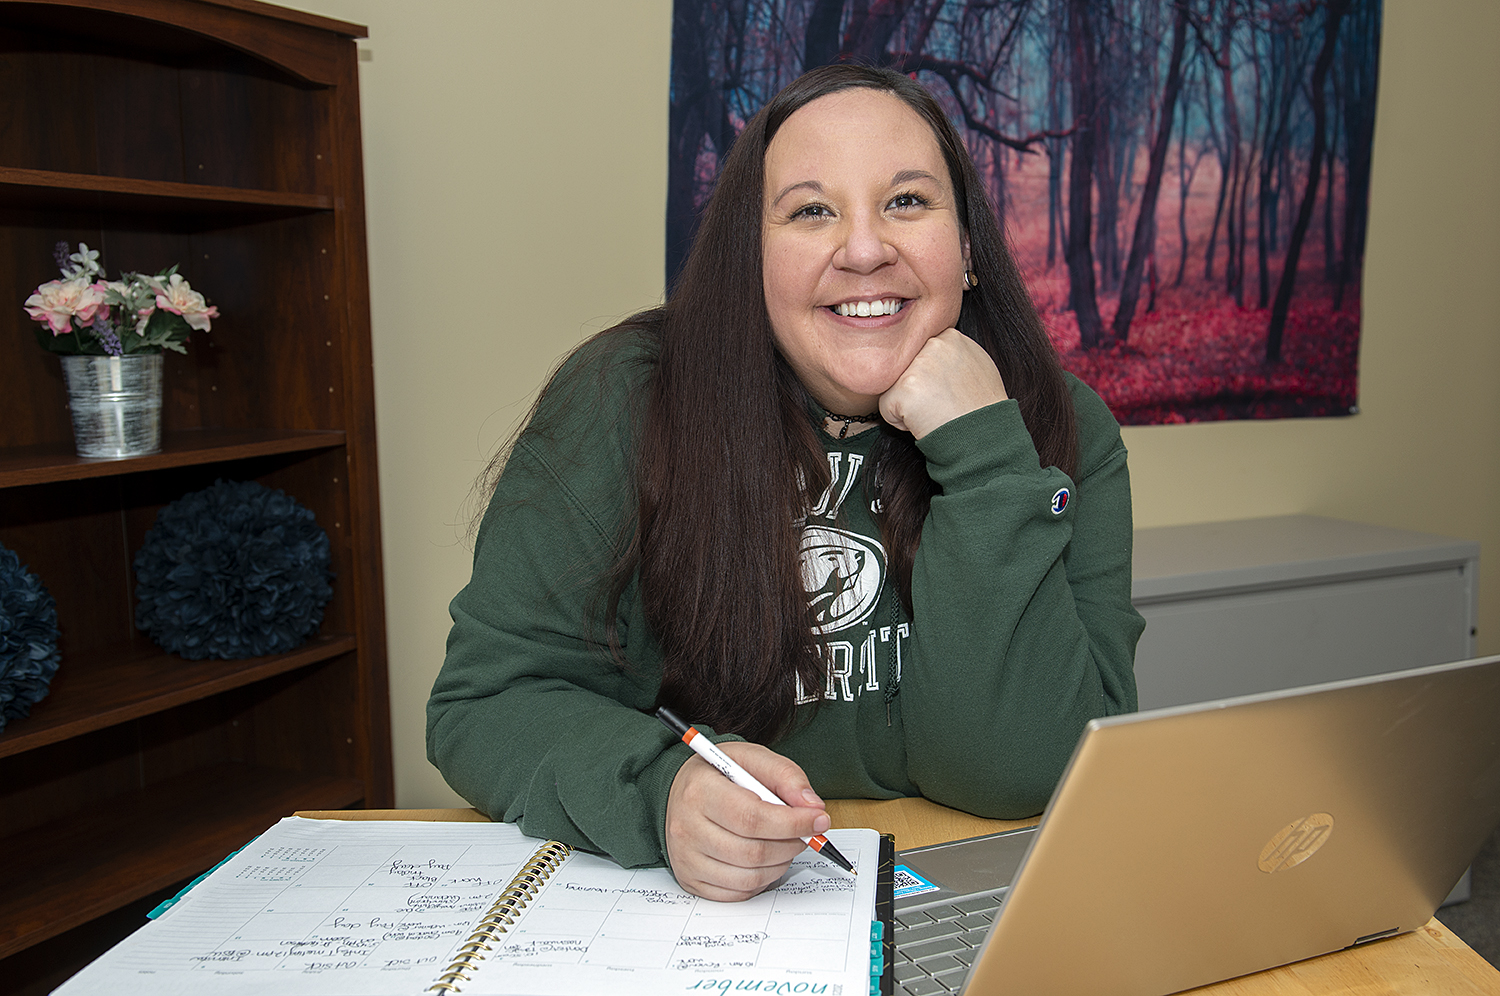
(28, 639)
(235, 570)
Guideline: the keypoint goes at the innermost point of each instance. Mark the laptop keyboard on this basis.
(936, 945)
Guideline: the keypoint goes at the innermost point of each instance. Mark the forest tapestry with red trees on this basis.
(1185, 183)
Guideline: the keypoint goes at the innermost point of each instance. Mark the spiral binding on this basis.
(523, 887)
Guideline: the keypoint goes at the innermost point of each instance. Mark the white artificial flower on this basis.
(87, 261)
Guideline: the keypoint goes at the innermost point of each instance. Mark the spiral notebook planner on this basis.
(368, 908)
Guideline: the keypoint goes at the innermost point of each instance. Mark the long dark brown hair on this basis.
(728, 457)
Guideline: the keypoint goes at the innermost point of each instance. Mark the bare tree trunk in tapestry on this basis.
(1335, 16)
(1080, 254)
(1145, 223)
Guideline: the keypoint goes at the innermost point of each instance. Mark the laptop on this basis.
(1197, 843)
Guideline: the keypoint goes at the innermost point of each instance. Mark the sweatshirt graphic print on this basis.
(862, 634)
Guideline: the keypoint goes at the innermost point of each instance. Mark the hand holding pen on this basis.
(726, 766)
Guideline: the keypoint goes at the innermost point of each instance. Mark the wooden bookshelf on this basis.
(224, 136)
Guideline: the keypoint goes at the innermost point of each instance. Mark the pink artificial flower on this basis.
(178, 297)
(57, 302)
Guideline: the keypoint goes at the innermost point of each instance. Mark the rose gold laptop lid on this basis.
(1188, 845)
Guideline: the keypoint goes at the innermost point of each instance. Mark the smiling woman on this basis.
(836, 501)
(865, 254)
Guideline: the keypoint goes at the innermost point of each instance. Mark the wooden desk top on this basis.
(1426, 962)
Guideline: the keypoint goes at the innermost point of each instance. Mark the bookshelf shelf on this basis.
(146, 841)
(105, 689)
(52, 462)
(38, 189)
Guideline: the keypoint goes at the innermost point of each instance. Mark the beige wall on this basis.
(516, 176)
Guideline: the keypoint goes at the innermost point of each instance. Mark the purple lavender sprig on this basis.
(108, 337)
(60, 256)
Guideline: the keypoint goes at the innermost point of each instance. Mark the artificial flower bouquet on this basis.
(85, 315)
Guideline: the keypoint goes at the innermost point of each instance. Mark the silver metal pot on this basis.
(116, 404)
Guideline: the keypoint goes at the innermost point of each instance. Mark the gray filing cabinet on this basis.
(1260, 604)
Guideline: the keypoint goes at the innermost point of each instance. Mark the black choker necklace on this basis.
(849, 420)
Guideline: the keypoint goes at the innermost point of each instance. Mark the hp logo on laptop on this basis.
(1296, 842)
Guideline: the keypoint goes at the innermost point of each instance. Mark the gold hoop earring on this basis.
(971, 280)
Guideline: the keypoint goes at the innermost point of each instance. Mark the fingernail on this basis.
(811, 797)
(822, 823)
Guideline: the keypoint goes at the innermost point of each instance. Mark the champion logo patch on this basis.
(1060, 501)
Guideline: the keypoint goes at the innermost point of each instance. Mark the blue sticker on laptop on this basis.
(909, 883)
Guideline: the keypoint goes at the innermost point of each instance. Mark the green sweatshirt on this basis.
(1023, 627)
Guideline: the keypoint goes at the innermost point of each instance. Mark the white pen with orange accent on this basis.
(710, 752)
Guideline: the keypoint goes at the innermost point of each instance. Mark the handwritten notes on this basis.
(321, 908)
(598, 927)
